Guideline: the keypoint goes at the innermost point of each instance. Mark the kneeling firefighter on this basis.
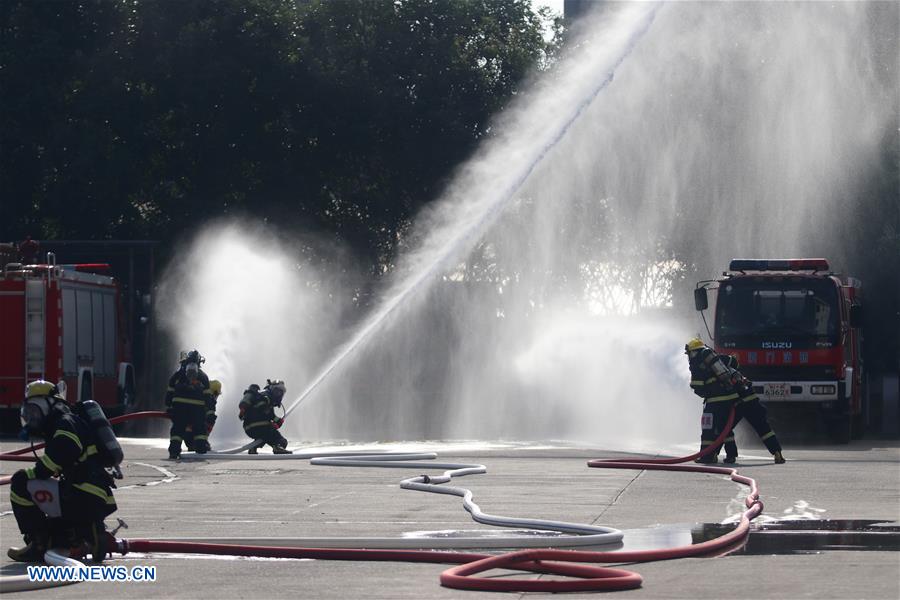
(63, 500)
(257, 411)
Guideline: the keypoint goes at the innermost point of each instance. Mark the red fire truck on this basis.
(794, 326)
(64, 323)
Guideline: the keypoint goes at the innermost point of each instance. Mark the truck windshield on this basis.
(786, 309)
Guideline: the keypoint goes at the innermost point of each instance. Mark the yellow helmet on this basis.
(694, 344)
(40, 388)
(215, 386)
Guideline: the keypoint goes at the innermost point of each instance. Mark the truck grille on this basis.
(779, 373)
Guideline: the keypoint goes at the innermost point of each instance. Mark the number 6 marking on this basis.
(43, 496)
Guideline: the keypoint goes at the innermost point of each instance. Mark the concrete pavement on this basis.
(264, 499)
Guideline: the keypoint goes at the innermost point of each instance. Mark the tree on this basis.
(143, 119)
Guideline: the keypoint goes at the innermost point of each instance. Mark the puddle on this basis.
(806, 536)
(483, 533)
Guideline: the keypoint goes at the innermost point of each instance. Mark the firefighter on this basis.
(713, 381)
(257, 411)
(749, 407)
(186, 401)
(215, 387)
(66, 496)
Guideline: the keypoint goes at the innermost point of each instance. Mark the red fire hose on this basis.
(591, 578)
(20, 455)
(17, 455)
(544, 561)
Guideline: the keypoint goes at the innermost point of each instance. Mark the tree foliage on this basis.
(128, 118)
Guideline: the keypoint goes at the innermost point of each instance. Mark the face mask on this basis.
(33, 414)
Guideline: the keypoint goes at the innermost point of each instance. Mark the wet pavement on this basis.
(830, 529)
(777, 537)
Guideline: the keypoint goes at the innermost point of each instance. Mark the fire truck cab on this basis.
(65, 324)
(794, 327)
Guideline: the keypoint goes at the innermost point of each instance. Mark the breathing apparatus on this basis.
(108, 448)
(43, 397)
(190, 366)
(277, 390)
(192, 373)
(727, 374)
(192, 357)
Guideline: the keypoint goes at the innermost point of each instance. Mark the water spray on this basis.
(489, 213)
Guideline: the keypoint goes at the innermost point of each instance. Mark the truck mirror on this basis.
(856, 315)
(700, 300)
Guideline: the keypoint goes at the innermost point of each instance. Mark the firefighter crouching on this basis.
(187, 403)
(65, 497)
(257, 411)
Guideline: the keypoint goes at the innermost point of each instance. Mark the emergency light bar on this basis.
(781, 264)
(87, 267)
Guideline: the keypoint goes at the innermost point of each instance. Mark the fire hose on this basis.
(574, 534)
(543, 561)
(22, 583)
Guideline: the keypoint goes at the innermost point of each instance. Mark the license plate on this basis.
(777, 390)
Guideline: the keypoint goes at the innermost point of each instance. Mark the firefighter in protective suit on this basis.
(715, 378)
(215, 386)
(66, 496)
(749, 407)
(187, 400)
(715, 383)
(257, 411)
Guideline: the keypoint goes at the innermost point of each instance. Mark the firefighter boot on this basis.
(710, 459)
(97, 541)
(102, 545)
(730, 459)
(174, 450)
(33, 551)
(253, 450)
(779, 459)
(280, 450)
